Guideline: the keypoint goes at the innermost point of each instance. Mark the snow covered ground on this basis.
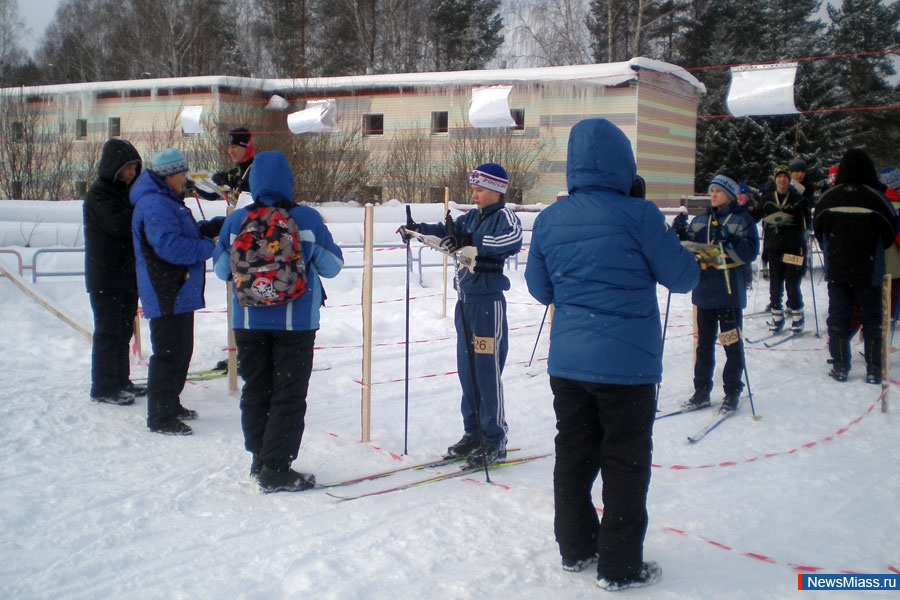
(95, 506)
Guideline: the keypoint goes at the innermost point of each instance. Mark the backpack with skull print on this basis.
(267, 258)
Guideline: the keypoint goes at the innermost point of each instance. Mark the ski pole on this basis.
(662, 350)
(812, 285)
(541, 328)
(406, 344)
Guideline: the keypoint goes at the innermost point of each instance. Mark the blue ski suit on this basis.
(481, 311)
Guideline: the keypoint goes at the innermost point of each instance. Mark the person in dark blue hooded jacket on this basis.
(721, 295)
(598, 256)
(275, 343)
(170, 250)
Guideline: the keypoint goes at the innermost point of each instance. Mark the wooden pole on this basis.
(444, 271)
(368, 259)
(138, 351)
(229, 309)
(46, 303)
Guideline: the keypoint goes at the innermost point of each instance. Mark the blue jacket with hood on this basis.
(169, 251)
(597, 255)
(271, 182)
(497, 234)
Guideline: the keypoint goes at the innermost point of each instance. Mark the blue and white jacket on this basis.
(725, 288)
(597, 256)
(271, 182)
(170, 254)
(497, 234)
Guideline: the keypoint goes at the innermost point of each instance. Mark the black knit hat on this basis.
(239, 136)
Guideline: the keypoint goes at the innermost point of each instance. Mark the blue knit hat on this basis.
(727, 185)
(169, 162)
(490, 176)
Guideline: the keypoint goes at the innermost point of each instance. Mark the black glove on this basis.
(410, 226)
(190, 188)
(680, 225)
(210, 229)
(719, 234)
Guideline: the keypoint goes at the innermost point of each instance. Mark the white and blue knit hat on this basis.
(169, 162)
(891, 178)
(490, 176)
(727, 185)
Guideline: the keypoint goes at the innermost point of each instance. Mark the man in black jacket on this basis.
(241, 153)
(109, 272)
(854, 223)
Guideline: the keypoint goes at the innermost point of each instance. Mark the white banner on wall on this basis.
(762, 90)
(490, 107)
(319, 116)
(190, 119)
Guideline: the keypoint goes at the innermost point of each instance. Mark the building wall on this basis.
(657, 112)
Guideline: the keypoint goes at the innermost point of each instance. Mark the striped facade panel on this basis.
(666, 137)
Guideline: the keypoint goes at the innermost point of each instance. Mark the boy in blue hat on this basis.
(481, 328)
(721, 294)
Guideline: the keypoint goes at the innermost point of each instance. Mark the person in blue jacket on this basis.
(171, 250)
(598, 256)
(482, 340)
(275, 343)
(721, 295)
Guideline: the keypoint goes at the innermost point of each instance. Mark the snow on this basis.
(604, 74)
(95, 506)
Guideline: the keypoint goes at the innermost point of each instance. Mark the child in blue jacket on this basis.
(482, 340)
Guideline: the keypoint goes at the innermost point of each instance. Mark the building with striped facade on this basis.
(654, 103)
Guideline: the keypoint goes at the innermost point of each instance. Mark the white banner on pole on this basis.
(490, 107)
(190, 119)
(319, 116)
(762, 90)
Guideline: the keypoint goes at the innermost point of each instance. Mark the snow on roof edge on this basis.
(607, 74)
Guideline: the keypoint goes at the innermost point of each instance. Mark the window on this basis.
(518, 115)
(373, 124)
(80, 129)
(81, 188)
(114, 128)
(436, 195)
(439, 121)
(18, 131)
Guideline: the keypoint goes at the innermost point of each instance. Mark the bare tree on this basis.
(11, 30)
(34, 154)
(519, 155)
(408, 170)
(551, 32)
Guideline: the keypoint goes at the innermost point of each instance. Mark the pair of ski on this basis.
(717, 420)
(776, 338)
(205, 375)
(458, 472)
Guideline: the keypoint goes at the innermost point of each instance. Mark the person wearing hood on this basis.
(786, 217)
(109, 272)
(721, 295)
(482, 342)
(598, 256)
(854, 223)
(171, 250)
(275, 342)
